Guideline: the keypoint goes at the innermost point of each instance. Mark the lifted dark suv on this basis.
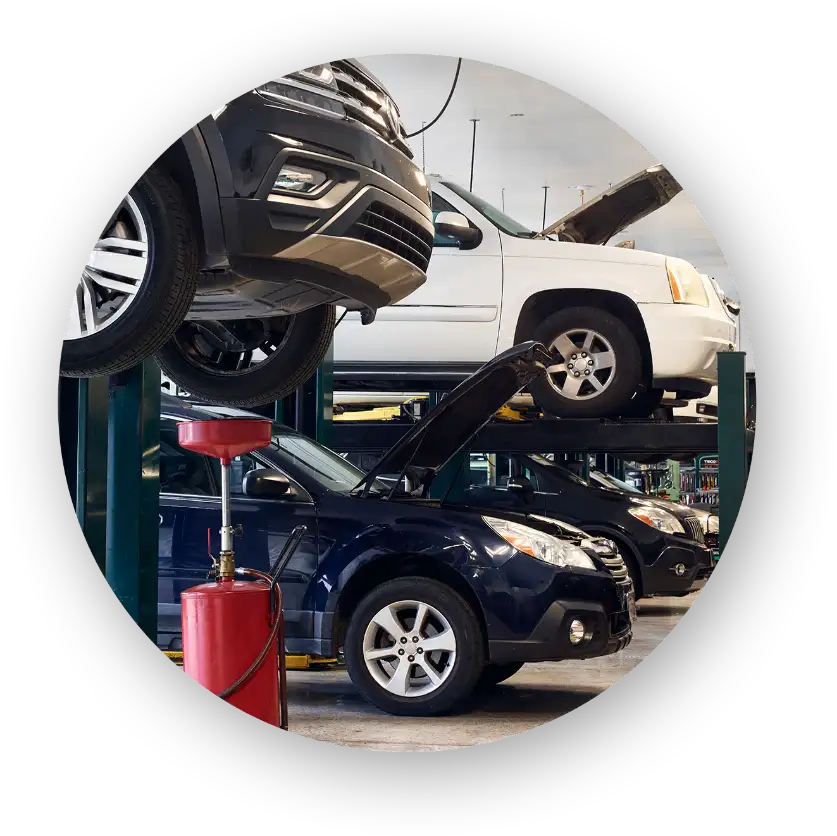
(229, 254)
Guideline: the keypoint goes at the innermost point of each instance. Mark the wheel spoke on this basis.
(89, 303)
(399, 683)
(118, 264)
(424, 663)
(441, 641)
(421, 615)
(564, 346)
(605, 359)
(596, 383)
(588, 340)
(558, 367)
(572, 385)
(122, 244)
(114, 284)
(380, 653)
(386, 620)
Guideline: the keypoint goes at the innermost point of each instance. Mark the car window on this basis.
(182, 471)
(439, 204)
(500, 219)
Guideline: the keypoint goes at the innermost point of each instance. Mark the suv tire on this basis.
(609, 371)
(154, 220)
(193, 359)
(396, 683)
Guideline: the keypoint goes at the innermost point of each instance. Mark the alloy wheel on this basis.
(585, 364)
(409, 648)
(114, 273)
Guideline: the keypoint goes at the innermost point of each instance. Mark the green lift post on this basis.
(733, 454)
(83, 433)
(110, 440)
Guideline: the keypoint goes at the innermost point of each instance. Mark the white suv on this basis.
(622, 325)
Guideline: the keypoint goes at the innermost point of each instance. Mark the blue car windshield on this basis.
(317, 462)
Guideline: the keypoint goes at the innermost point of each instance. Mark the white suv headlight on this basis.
(712, 524)
(686, 283)
(537, 544)
(657, 518)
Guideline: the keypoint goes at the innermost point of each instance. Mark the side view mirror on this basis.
(267, 483)
(521, 486)
(456, 226)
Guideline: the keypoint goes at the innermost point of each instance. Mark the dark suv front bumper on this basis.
(363, 241)
(606, 616)
(662, 578)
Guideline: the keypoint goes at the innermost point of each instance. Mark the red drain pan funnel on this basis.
(224, 438)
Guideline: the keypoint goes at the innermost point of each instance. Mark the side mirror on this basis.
(267, 483)
(456, 226)
(521, 486)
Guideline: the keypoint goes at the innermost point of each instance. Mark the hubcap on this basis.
(409, 648)
(113, 275)
(584, 364)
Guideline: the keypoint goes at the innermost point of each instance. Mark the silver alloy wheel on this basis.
(586, 364)
(113, 275)
(409, 648)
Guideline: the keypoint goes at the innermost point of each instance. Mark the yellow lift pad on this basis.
(293, 663)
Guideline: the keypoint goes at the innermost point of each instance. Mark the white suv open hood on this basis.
(612, 211)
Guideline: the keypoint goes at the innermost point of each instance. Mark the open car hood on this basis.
(453, 423)
(597, 221)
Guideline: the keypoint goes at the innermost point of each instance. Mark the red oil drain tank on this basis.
(226, 624)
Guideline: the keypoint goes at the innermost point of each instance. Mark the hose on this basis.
(444, 106)
(276, 633)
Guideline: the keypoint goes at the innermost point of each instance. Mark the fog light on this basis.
(294, 178)
(680, 569)
(577, 631)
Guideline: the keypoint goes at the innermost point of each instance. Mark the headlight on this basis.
(686, 283)
(315, 87)
(712, 524)
(657, 518)
(537, 544)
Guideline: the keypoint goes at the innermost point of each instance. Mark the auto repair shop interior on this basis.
(386, 463)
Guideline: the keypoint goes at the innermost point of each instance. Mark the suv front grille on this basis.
(360, 95)
(694, 529)
(616, 566)
(390, 230)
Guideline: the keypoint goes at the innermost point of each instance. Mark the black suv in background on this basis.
(662, 543)
(229, 254)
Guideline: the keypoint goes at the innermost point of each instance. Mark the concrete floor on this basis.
(325, 705)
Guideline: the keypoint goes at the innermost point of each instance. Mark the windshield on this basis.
(500, 219)
(316, 461)
(612, 482)
(565, 473)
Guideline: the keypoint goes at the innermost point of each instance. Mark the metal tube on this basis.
(226, 526)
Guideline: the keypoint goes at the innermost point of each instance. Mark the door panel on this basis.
(266, 526)
(189, 522)
(453, 317)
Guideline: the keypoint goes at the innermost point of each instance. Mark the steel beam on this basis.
(549, 435)
(733, 441)
(83, 408)
(133, 487)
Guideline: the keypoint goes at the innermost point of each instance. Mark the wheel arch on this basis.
(391, 567)
(189, 163)
(540, 305)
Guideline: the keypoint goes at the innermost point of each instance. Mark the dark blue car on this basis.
(425, 598)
